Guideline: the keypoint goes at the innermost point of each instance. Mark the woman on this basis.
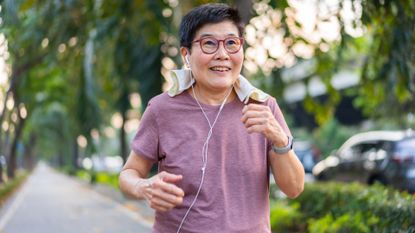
(214, 137)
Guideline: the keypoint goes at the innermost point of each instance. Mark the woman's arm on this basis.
(132, 179)
(287, 169)
(288, 172)
(159, 191)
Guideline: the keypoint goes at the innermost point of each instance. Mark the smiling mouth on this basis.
(220, 68)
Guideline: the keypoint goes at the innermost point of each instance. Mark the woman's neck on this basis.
(212, 98)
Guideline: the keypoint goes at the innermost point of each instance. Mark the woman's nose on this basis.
(221, 53)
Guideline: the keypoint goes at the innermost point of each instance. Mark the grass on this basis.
(8, 188)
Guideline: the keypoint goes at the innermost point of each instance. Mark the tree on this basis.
(41, 48)
(378, 40)
(70, 75)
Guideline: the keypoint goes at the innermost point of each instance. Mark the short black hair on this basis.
(207, 14)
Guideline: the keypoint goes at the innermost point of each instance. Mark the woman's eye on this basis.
(209, 42)
(231, 42)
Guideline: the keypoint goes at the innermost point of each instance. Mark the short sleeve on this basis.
(146, 140)
(273, 105)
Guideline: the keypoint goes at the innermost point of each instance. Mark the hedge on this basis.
(343, 208)
(110, 179)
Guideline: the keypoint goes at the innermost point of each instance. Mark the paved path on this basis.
(50, 202)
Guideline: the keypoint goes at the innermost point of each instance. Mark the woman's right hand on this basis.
(161, 192)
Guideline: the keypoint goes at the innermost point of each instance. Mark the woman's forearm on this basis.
(288, 173)
(131, 183)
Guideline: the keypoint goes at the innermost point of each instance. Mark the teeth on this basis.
(218, 68)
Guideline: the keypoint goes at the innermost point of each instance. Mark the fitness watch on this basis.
(283, 150)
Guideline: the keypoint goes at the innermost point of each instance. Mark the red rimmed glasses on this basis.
(210, 45)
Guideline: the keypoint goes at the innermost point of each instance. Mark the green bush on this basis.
(83, 175)
(107, 178)
(284, 217)
(343, 224)
(99, 177)
(341, 207)
(94, 177)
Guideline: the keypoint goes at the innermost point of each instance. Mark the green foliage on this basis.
(394, 20)
(106, 178)
(60, 62)
(7, 188)
(83, 175)
(350, 222)
(388, 69)
(94, 54)
(341, 207)
(284, 217)
(330, 136)
(383, 54)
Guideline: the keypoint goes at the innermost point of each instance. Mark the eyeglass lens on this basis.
(211, 45)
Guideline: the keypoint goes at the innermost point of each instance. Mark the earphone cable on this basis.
(205, 149)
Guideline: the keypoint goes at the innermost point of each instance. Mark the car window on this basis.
(356, 151)
(370, 146)
(406, 147)
(386, 145)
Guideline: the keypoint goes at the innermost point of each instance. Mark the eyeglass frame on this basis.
(242, 40)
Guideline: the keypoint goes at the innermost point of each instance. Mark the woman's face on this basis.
(218, 71)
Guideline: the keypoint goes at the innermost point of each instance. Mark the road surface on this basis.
(50, 202)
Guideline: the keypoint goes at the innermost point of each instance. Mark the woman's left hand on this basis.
(259, 119)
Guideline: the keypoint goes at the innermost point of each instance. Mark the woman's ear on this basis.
(185, 54)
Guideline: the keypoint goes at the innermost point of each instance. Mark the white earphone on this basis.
(187, 61)
(205, 149)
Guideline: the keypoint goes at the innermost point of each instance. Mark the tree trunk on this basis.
(2, 115)
(1, 171)
(17, 71)
(123, 145)
(11, 170)
(245, 9)
(61, 157)
(75, 155)
(29, 148)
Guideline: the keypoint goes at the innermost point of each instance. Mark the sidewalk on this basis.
(50, 202)
(138, 206)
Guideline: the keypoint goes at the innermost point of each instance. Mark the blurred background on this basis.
(75, 76)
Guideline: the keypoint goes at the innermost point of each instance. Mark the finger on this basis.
(255, 121)
(167, 197)
(158, 208)
(256, 107)
(256, 129)
(170, 178)
(148, 194)
(252, 113)
(156, 201)
(169, 188)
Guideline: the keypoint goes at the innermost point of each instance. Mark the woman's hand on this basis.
(259, 119)
(161, 192)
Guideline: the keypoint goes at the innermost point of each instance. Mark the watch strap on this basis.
(283, 150)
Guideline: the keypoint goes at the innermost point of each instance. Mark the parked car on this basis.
(307, 154)
(387, 157)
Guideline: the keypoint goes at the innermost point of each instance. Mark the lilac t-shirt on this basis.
(235, 192)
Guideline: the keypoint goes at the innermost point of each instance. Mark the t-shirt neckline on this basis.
(208, 106)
